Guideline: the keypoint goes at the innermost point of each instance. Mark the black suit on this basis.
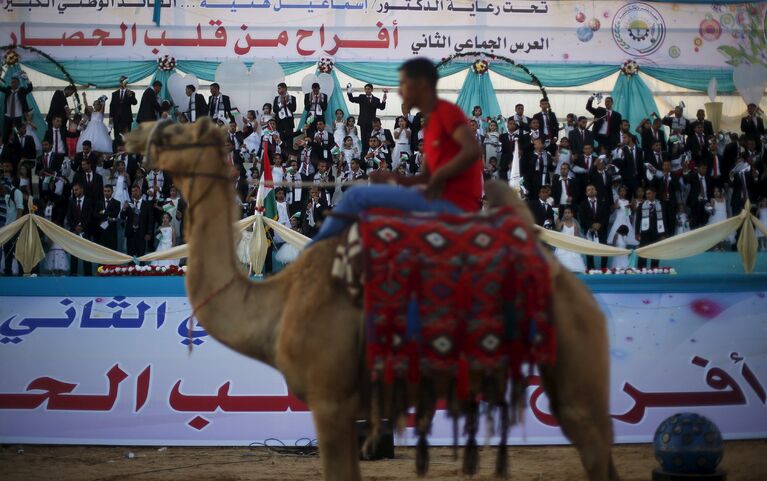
(587, 216)
(322, 106)
(701, 192)
(708, 127)
(649, 137)
(21, 148)
(666, 189)
(121, 110)
(631, 167)
(220, 104)
(11, 118)
(149, 108)
(651, 234)
(578, 138)
(612, 138)
(196, 103)
(755, 131)
(106, 211)
(49, 164)
(744, 187)
(139, 223)
(542, 212)
(58, 108)
(77, 162)
(536, 170)
(570, 189)
(322, 143)
(553, 124)
(284, 115)
(368, 107)
(51, 135)
(93, 189)
(508, 145)
(603, 183)
(699, 149)
(80, 216)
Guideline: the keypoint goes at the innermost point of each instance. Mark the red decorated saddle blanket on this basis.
(453, 294)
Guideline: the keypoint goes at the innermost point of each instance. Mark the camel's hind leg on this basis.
(337, 440)
(578, 385)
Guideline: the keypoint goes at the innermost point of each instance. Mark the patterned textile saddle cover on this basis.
(450, 296)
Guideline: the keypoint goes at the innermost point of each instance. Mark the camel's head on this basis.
(192, 148)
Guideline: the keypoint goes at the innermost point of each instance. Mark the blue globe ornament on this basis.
(688, 443)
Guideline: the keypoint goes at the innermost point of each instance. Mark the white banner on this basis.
(561, 32)
(118, 371)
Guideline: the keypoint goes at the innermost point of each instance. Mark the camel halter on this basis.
(155, 139)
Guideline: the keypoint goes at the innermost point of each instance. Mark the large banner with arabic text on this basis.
(118, 370)
(560, 32)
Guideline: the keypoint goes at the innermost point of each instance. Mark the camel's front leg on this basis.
(337, 438)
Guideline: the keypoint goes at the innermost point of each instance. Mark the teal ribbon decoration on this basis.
(478, 89)
(335, 101)
(633, 99)
(633, 259)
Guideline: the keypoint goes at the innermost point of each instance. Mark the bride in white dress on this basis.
(96, 131)
(568, 226)
(166, 239)
(718, 210)
(339, 128)
(622, 217)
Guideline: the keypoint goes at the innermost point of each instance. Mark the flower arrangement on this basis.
(11, 57)
(140, 271)
(166, 63)
(629, 68)
(630, 271)
(325, 65)
(480, 66)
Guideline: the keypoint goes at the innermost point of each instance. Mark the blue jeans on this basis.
(363, 197)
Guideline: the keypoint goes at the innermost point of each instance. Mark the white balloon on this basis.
(307, 81)
(177, 87)
(326, 83)
(750, 80)
(249, 89)
(712, 85)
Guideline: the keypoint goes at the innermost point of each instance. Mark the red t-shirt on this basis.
(464, 190)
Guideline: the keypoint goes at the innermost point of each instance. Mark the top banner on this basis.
(562, 32)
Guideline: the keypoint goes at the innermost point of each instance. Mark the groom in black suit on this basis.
(607, 123)
(120, 108)
(219, 103)
(59, 106)
(16, 105)
(368, 103)
(149, 108)
(197, 107)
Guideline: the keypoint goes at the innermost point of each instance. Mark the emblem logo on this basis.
(638, 29)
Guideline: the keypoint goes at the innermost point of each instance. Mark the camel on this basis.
(298, 322)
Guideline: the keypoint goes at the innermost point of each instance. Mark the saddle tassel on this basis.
(471, 454)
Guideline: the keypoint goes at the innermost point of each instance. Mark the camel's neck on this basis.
(237, 312)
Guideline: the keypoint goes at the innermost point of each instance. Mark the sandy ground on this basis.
(744, 461)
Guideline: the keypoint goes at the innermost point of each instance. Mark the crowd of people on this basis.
(599, 178)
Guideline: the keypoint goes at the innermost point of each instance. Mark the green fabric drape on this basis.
(556, 75)
(693, 79)
(478, 90)
(633, 99)
(39, 126)
(101, 74)
(387, 73)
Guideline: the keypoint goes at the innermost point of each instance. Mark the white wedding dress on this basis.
(97, 133)
(165, 243)
(571, 260)
(622, 217)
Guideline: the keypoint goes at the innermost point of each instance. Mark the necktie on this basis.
(370, 99)
(234, 141)
(46, 162)
(214, 112)
(122, 93)
(657, 159)
(89, 177)
(608, 123)
(702, 187)
(583, 137)
(716, 166)
(540, 163)
(567, 187)
(700, 140)
(665, 187)
(594, 207)
(79, 208)
(545, 123)
(56, 140)
(655, 134)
